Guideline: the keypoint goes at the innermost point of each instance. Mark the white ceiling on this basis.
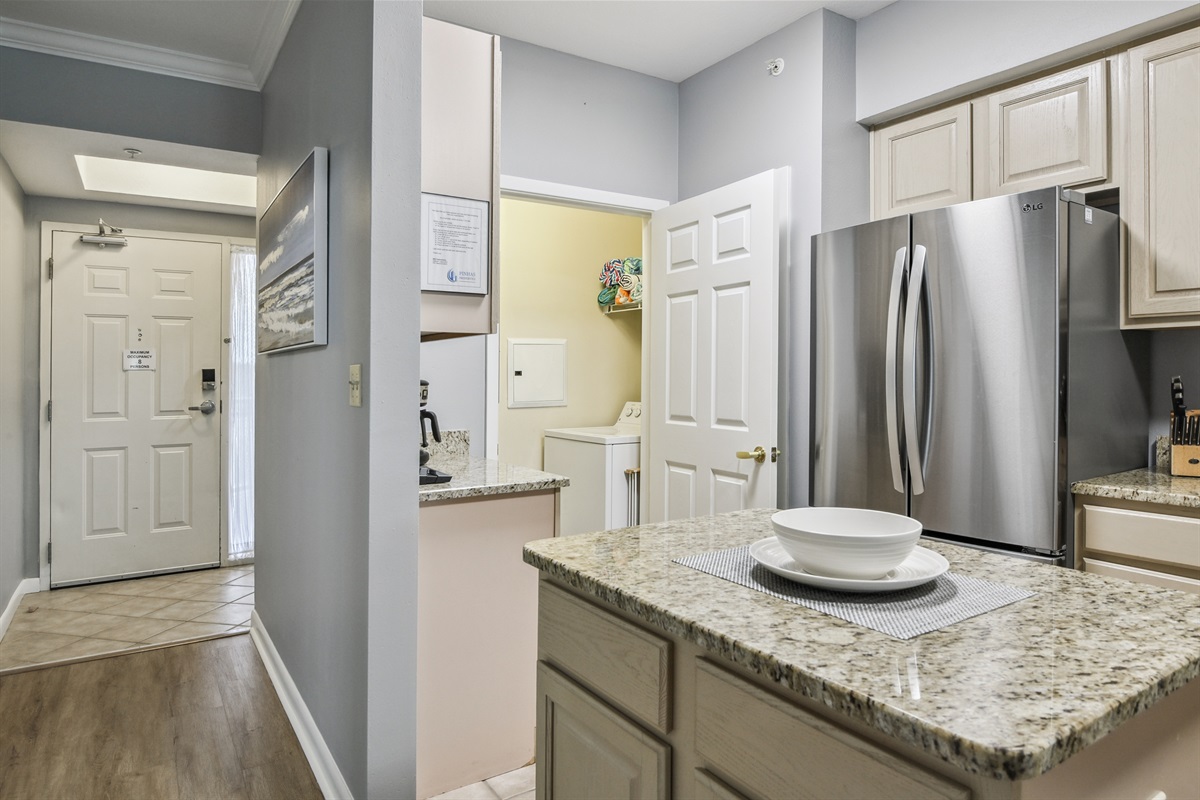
(234, 43)
(669, 39)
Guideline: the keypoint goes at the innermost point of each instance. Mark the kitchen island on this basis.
(706, 688)
(476, 606)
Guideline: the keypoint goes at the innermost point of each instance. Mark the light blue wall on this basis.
(916, 53)
(336, 495)
(568, 120)
(97, 97)
(18, 482)
(311, 447)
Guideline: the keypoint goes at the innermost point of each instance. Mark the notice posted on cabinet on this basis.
(455, 244)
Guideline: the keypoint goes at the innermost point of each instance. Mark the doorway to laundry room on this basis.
(570, 334)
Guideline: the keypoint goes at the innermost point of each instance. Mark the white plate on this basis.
(921, 566)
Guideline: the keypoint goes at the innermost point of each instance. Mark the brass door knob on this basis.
(758, 454)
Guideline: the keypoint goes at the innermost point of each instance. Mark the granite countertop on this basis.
(1007, 694)
(480, 477)
(1144, 486)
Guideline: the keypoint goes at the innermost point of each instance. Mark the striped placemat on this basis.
(904, 614)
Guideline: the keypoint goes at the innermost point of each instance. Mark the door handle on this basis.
(889, 370)
(916, 286)
(207, 407)
(758, 454)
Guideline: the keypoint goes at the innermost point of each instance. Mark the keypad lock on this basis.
(208, 379)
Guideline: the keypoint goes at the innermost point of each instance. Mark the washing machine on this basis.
(602, 496)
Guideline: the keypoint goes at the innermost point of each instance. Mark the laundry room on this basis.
(570, 299)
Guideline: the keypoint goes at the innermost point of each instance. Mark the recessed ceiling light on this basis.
(126, 176)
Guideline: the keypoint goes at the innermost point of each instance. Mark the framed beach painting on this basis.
(293, 269)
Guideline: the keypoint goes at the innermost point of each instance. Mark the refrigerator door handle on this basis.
(916, 288)
(890, 374)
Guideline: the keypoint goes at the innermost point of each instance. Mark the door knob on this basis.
(207, 407)
(758, 454)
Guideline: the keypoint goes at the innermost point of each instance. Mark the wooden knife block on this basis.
(1185, 460)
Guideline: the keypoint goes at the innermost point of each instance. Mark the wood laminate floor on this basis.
(198, 720)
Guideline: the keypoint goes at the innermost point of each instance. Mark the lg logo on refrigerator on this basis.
(1025, 209)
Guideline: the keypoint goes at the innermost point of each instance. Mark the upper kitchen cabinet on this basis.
(1161, 199)
(1048, 132)
(460, 157)
(922, 163)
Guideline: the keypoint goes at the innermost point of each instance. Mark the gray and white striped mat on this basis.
(903, 614)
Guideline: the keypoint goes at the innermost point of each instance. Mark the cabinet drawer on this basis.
(770, 748)
(1138, 534)
(629, 667)
(1138, 575)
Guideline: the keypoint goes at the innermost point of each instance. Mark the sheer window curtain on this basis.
(242, 352)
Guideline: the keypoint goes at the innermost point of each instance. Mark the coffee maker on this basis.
(428, 474)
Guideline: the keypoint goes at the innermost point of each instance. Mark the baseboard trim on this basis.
(324, 768)
(26, 586)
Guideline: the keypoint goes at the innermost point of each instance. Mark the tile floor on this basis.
(104, 618)
(515, 785)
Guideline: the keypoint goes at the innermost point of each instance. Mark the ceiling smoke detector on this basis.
(775, 66)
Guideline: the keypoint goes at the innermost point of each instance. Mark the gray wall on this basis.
(105, 99)
(918, 52)
(566, 119)
(457, 373)
(335, 497)
(311, 479)
(15, 484)
(1172, 352)
(736, 121)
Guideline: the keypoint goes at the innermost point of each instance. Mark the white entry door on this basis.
(134, 473)
(714, 334)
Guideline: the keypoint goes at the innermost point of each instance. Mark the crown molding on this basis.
(129, 55)
(270, 41)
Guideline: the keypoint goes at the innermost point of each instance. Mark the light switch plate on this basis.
(356, 385)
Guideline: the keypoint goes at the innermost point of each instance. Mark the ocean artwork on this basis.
(292, 270)
(286, 308)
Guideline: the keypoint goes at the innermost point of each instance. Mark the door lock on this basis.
(207, 407)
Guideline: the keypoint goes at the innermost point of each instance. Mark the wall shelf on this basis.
(622, 309)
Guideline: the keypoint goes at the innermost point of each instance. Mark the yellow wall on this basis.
(550, 260)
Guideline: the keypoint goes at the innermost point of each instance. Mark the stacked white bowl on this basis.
(846, 542)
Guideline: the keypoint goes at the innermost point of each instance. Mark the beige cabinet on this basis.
(1048, 132)
(587, 751)
(1142, 542)
(460, 137)
(922, 163)
(1161, 198)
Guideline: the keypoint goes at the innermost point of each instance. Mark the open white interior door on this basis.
(714, 337)
(134, 435)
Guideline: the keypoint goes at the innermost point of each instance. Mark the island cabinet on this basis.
(1160, 202)
(460, 157)
(624, 712)
(1144, 542)
(627, 711)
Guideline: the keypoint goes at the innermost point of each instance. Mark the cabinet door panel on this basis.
(1047, 132)
(1162, 201)
(922, 163)
(586, 750)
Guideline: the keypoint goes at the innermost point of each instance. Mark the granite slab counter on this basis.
(1008, 694)
(1144, 486)
(481, 477)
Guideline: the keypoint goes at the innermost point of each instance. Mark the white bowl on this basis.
(846, 542)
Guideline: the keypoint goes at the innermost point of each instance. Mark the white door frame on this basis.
(574, 197)
(44, 341)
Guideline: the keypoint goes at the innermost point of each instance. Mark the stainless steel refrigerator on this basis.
(967, 367)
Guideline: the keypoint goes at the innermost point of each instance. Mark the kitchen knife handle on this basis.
(889, 371)
(916, 287)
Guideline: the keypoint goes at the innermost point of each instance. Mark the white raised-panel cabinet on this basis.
(1048, 132)
(1160, 202)
(921, 163)
(460, 135)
